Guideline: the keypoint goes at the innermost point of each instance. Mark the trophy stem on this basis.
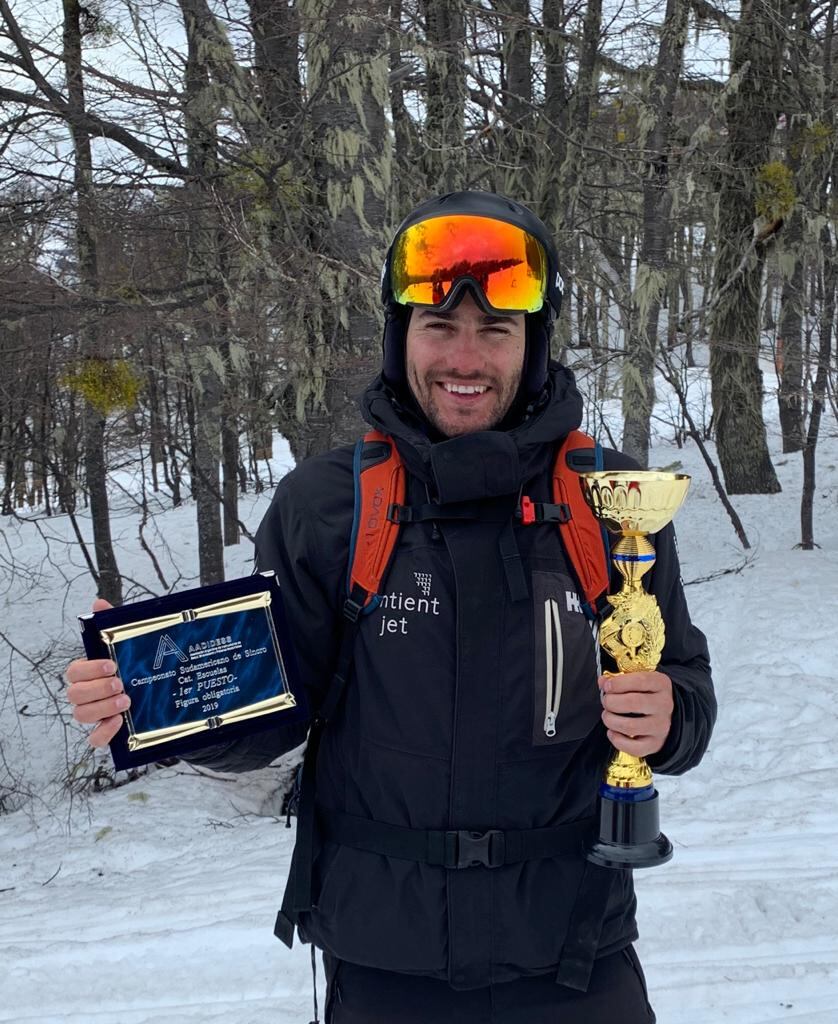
(633, 556)
(625, 771)
(635, 622)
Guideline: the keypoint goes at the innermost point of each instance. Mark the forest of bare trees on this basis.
(195, 198)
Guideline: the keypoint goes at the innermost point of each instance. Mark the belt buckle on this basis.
(478, 849)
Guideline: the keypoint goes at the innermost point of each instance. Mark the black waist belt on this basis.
(453, 849)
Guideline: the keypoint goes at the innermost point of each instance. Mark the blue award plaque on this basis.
(200, 667)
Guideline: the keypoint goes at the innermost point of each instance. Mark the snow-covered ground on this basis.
(154, 902)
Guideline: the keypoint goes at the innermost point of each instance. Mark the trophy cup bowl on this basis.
(635, 502)
(632, 504)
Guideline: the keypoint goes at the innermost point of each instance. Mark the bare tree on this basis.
(444, 143)
(109, 584)
(518, 110)
(652, 269)
(827, 281)
(827, 288)
(334, 325)
(201, 115)
(752, 105)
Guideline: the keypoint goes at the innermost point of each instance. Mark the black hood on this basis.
(487, 463)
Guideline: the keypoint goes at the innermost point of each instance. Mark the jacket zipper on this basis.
(597, 648)
(554, 667)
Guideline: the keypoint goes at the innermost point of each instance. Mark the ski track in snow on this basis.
(154, 903)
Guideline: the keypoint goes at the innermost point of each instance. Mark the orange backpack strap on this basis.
(583, 536)
(379, 484)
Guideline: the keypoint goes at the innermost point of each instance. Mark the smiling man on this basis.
(464, 365)
(462, 723)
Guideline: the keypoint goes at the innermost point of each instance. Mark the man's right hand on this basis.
(97, 694)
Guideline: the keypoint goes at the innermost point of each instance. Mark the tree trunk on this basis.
(276, 55)
(789, 349)
(230, 468)
(686, 283)
(157, 453)
(651, 280)
(445, 163)
(406, 156)
(279, 130)
(517, 150)
(335, 334)
(109, 582)
(673, 311)
(551, 150)
(826, 325)
(828, 287)
(200, 120)
(571, 172)
(171, 443)
(566, 180)
(751, 115)
(789, 346)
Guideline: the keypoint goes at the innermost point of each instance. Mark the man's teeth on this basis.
(466, 389)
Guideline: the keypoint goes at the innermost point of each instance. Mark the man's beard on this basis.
(428, 396)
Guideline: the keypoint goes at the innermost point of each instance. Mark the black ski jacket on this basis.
(443, 722)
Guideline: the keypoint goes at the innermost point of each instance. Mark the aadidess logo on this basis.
(167, 646)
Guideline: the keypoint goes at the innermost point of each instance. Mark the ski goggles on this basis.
(433, 259)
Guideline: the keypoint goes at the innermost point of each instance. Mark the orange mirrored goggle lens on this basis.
(508, 263)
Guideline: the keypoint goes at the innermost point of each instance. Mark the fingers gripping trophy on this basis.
(632, 504)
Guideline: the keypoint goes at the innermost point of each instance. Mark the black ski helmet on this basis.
(539, 325)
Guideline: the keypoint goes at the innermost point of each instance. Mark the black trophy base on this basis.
(629, 834)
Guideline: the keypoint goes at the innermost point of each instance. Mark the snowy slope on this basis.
(155, 902)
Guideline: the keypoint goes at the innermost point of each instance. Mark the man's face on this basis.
(464, 366)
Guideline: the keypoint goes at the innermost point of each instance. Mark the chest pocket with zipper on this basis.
(566, 703)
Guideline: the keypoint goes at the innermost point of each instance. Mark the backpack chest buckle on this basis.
(543, 512)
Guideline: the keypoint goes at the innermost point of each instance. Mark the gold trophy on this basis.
(632, 504)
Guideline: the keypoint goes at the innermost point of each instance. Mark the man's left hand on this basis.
(646, 694)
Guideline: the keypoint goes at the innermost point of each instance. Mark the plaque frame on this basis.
(136, 744)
